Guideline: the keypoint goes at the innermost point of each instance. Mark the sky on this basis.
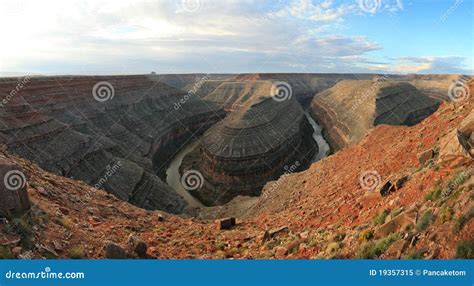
(236, 36)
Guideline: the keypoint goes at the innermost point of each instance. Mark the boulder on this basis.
(137, 246)
(396, 249)
(424, 156)
(114, 251)
(226, 223)
(387, 188)
(396, 224)
(453, 150)
(401, 182)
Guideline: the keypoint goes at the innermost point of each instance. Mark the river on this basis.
(173, 178)
(323, 145)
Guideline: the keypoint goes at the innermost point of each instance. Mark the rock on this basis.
(396, 249)
(16, 250)
(401, 182)
(386, 189)
(85, 153)
(454, 150)
(344, 114)
(64, 210)
(160, 218)
(137, 246)
(13, 187)
(426, 155)
(398, 223)
(226, 223)
(281, 251)
(114, 251)
(27, 255)
(242, 152)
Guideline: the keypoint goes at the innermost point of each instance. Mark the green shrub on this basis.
(424, 221)
(380, 217)
(434, 195)
(366, 235)
(415, 254)
(463, 220)
(372, 250)
(465, 249)
(76, 252)
(5, 253)
(445, 215)
(396, 212)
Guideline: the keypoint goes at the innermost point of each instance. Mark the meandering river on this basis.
(173, 178)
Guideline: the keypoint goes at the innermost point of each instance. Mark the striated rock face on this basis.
(118, 143)
(13, 187)
(350, 108)
(256, 144)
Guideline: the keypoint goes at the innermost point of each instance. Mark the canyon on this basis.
(102, 171)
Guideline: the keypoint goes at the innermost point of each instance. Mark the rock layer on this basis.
(257, 143)
(350, 108)
(116, 144)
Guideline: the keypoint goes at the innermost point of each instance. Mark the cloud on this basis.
(426, 64)
(124, 36)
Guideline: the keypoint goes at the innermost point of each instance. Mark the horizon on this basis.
(234, 37)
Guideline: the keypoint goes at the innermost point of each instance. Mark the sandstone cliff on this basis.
(350, 108)
(118, 142)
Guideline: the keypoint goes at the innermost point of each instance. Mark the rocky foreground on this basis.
(401, 192)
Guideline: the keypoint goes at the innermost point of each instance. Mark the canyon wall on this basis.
(350, 108)
(113, 132)
(262, 140)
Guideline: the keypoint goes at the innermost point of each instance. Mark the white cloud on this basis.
(123, 36)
